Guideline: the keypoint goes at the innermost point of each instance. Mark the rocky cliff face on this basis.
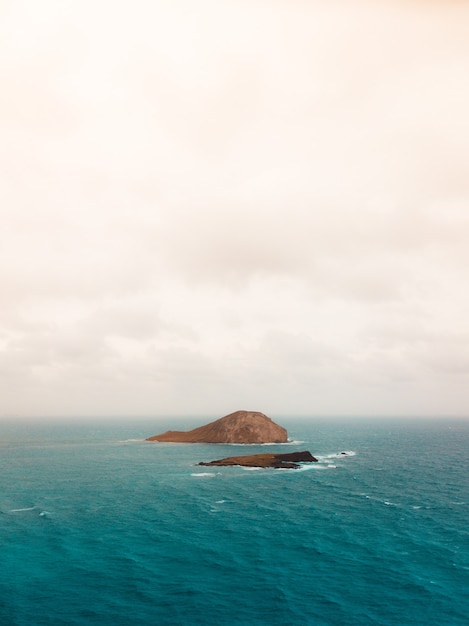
(238, 427)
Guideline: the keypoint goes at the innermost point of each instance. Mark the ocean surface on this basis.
(98, 526)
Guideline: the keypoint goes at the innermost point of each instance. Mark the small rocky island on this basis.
(237, 427)
(289, 460)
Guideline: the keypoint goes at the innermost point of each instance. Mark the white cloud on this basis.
(233, 204)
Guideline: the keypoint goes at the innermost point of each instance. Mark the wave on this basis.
(29, 508)
(324, 458)
(203, 474)
(316, 467)
(343, 454)
(309, 467)
(131, 440)
(413, 507)
(302, 467)
(290, 442)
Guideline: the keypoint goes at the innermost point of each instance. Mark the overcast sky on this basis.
(215, 205)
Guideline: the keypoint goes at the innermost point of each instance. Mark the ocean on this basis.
(99, 527)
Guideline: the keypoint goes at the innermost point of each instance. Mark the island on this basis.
(290, 460)
(238, 427)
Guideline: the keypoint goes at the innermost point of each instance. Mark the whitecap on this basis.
(307, 467)
(203, 474)
(220, 501)
(325, 458)
(290, 442)
(29, 508)
(130, 440)
(292, 470)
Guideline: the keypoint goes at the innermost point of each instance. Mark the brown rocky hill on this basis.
(237, 427)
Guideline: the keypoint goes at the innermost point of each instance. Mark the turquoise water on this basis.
(100, 527)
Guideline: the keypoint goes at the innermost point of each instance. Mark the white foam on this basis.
(130, 440)
(29, 508)
(220, 501)
(306, 468)
(292, 470)
(289, 442)
(343, 454)
(202, 474)
(324, 458)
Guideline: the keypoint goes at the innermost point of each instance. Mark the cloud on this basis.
(233, 203)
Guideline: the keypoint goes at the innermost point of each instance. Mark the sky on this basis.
(234, 204)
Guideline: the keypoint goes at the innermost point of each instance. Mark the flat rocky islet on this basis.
(289, 460)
